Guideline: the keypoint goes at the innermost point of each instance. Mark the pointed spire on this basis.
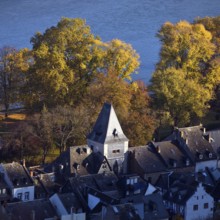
(107, 127)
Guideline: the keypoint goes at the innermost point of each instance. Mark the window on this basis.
(116, 151)
(206, 205)
(195, 207)
(3, 191)
(19, 196)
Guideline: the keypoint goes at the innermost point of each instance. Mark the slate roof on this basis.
(171, 154)
(117, 212)
(48, 184)
(102, 182)
(18, 175)
(78, 159)
(70, 200)
(147, 159)
(24, 210)
(94, 161)
(215, 139)
(107, 127)
(197, 143)
(154, 207)
(179, 193)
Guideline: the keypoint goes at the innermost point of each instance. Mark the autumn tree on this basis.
(68, 58)
(13, 65)
(65, 61)
(139, 123)
(212, 24)
(183, 82)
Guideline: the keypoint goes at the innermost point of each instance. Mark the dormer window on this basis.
(200, 156)
(115, 133)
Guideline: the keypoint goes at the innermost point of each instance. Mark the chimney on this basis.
(31, 173)
(158, 149)
(187, 141)
(204, 130)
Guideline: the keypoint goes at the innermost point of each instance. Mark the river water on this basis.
(133, 21)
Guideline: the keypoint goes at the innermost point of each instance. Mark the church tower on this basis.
(108, 138)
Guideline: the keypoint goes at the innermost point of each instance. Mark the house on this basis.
(190, 201)
(144, 161)
(67, 206)
(194, 142)
(18, 180)
(4, 190)
(31, 210)
(154, 208)
(116, 212)
(108, 138)
(77, 160)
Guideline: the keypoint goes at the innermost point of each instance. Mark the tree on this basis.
(185, 46)
(65, 61)
(68, 58)
(69, 125)
(212, 24)
(121, 59)
(185, 76)
(140, 123)
(13, 64)
(185, 99)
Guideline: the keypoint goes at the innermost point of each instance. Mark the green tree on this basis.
(13, 65)
(183, 98)
(68, 58)
(120, 58)
(186, 75)
(212, 24)
(185, 46)
(65, 61)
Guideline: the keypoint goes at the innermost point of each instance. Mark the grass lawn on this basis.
(7, 124)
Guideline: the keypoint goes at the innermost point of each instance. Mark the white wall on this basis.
(58, 205)
(199, 198)
(23, 190)
(74, 216)
(92, 201)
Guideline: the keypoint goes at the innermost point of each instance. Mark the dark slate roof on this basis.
(154, 207)
(107, 122)
(179, 193)
(216, 191)
(48, 184)
(214, 136)
(70, 161)
(117, 212)
(24, 210)
(171, 154)
(102, 182)
(94, 161)
(18, 175)
(197, 143)
(104, 198)
(70, 200)
(168, 179)
(147, 159)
